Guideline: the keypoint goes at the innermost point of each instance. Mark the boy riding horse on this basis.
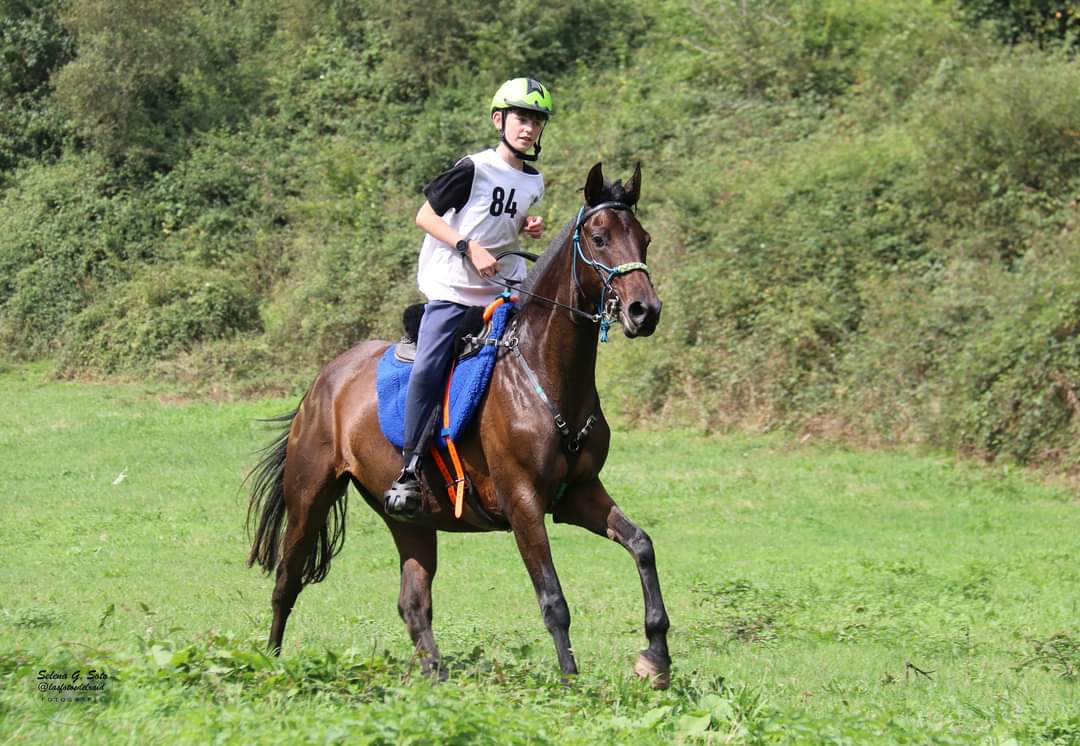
(475, 209)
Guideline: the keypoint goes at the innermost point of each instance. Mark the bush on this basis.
(149, 73)
(1045, 22)
(773, 296)
(32, 45)
(217, 205)
(1014, 384)
(808, 50)
(1003, 148)
(430, 43)
(163, 312)
(65, 232)
(353, 272)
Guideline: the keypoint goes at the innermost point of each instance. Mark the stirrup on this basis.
(404, 500)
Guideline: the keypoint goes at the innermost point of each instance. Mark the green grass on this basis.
(801, 581)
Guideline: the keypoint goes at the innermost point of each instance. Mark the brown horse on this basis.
(536, 445)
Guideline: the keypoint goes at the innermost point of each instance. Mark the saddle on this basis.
(470, 331)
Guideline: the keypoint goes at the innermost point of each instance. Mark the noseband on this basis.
(607, 310)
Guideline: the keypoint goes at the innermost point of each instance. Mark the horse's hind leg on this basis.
(302, 558)
(417, 549)
(591, 507)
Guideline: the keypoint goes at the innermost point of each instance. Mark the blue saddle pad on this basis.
(470, 381)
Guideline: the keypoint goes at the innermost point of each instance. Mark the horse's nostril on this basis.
(638, 312)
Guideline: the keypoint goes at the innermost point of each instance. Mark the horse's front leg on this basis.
(417, 549)
(591, 507)
(527, 522)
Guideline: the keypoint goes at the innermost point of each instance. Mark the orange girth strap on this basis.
(459, 473)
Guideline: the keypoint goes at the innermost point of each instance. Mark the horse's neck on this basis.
(558, 345)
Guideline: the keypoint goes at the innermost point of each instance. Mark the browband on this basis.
(604, 206)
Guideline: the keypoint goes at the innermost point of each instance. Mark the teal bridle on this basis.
(607, 310)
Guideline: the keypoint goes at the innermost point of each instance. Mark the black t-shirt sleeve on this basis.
(451, 188)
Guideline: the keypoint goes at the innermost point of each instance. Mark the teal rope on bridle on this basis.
(608, 308)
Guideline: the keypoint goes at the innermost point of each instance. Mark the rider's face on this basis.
(523, 127)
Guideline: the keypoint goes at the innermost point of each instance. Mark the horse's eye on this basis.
(598, 240)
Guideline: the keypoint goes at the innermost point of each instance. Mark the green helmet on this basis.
(523, 93)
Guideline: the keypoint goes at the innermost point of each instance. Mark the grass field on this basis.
(808, 587)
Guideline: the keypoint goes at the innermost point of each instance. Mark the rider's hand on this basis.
(533, 226)
(483, 260)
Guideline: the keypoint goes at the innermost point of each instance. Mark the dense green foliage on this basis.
(865, 213)
(1046, 22)
(32, 45)
(799, 589)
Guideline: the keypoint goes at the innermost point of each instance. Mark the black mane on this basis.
(614, 192)
(532, 279)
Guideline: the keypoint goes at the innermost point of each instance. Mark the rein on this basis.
(513, 287)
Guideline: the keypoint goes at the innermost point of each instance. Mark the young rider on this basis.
(473, 211)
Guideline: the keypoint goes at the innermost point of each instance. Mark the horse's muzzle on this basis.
(641, 317)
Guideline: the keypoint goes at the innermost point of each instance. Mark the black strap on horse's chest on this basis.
(572, 443)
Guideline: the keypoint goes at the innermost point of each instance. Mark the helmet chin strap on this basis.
(517, 153)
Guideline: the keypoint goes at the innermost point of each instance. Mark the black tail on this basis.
(268, 493)
(268, 507)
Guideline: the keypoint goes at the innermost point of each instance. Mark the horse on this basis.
(535, 447)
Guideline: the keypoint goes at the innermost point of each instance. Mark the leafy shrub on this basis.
(889, 376)
(125, 77)
(1013, 389)
(1002, 148)
(65, 232)
(147, 74)
(429, 43)
(354, 271)
(32, 45)
(771, 300)
(217, 204)
(1045, 22)
(164, 311)
(782, 49)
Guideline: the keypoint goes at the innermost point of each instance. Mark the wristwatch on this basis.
(462, 246)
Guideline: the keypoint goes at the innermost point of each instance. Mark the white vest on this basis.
(499, 200)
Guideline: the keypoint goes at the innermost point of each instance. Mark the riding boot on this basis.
(404, 500)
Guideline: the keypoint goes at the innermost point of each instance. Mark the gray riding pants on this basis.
(427, 382)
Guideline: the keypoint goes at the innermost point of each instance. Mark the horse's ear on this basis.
(633, 187)
(594, 186)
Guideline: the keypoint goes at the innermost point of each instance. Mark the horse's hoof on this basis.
(436, 673)
(657, 674)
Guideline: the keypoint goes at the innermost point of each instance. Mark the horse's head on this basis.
(609, 238)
